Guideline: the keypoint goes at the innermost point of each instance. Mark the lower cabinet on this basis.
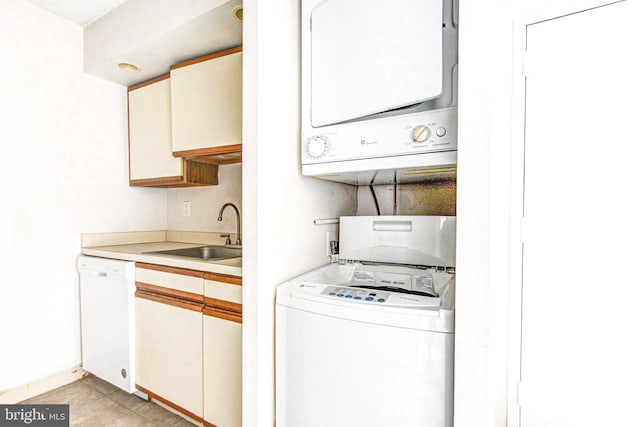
(222, 343)
(189, 342)
(169, 352)
(222, 371)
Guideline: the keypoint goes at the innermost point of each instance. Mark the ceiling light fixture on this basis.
(237, 13)
(128, 67)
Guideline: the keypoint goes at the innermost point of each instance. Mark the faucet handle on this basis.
(228, 236)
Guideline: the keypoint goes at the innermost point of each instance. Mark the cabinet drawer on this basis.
(190, 282)
(223, 291)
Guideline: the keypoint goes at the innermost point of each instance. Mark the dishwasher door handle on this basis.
(99, 273)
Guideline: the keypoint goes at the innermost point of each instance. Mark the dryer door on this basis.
(370, 56)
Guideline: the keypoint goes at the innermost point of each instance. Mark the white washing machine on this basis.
(369, 341)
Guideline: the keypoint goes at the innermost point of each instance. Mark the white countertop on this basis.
(137, 251)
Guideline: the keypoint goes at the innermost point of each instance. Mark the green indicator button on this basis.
(380, 299)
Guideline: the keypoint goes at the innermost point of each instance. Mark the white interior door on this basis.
(580, 345)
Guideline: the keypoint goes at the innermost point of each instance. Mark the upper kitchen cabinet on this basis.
(151, 162)
(139, 41)
(206, 107)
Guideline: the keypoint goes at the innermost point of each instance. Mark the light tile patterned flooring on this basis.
(93, 402)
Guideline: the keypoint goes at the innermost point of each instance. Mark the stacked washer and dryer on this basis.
(368, 341)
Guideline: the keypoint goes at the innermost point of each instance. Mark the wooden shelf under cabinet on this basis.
(194, 173)
(223, 155)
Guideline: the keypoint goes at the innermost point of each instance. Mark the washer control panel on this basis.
(355, 294)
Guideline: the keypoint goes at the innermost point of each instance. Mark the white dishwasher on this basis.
(107, 292)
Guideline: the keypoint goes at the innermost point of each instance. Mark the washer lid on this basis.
(411, 240)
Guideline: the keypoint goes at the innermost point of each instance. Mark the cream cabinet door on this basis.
(206, 102)
(150, 149)
(222, 371)
(169, 353)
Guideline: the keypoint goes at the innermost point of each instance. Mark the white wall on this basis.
(64, 172)
(437, 197)
(279, 203)
(206, 203)
(483, 212)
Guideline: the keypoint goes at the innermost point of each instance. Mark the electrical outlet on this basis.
(186, 208)
(331, 235)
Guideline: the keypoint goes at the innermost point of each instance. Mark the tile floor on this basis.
(93, 402)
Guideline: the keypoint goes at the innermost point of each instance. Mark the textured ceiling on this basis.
(82, 12)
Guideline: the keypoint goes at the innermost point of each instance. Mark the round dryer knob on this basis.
(420, 133)
(317, 146)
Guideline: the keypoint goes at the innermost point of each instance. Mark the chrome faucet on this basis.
(228, 242)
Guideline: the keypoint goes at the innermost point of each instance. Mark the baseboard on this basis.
(175, 411)
(43, 385)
